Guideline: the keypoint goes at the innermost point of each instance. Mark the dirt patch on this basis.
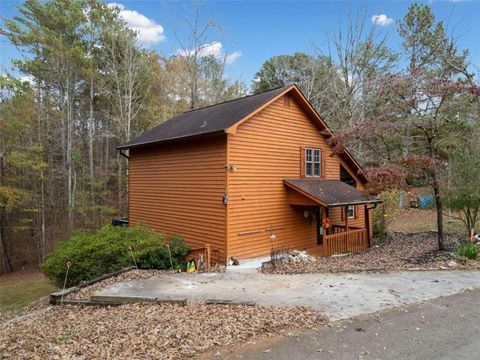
(143, 331)
(413, 220)
(399, 252)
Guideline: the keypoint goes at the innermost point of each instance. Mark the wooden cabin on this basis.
(247, 176)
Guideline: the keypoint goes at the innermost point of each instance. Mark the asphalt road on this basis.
(442, 328)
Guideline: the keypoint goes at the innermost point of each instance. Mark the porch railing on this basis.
(345, 242)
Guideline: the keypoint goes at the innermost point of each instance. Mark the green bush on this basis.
(468, 250)
(107, 250)
(160, 259)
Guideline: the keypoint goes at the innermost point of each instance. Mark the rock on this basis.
(233, 261)
(300, 256)
(452, 263)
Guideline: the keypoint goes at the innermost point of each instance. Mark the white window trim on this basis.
(353, 211)
(313, 162)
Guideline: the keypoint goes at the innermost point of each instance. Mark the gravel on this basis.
(143, 331)
(399, 252)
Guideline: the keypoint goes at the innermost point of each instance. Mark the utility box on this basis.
(120, 221)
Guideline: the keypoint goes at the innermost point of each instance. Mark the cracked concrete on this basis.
(338, 296)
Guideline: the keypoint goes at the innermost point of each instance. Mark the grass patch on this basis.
(467, 250)
(19, 290)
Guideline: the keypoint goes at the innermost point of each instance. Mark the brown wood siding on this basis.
(265, 150)
(177, 188)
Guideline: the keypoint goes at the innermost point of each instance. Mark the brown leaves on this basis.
(401, 251)
(143, 331)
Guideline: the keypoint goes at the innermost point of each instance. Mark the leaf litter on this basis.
(144, 330)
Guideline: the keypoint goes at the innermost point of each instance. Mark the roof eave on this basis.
(170, 140)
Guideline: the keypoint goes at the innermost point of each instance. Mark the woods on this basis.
(87, 85)
(83, 85)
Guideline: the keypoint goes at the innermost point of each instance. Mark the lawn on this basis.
(21, 288)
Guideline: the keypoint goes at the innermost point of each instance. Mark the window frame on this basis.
(313, 162)
(354, 210)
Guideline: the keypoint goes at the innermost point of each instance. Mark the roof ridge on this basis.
(239, 98)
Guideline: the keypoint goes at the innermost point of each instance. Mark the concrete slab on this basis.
(248, 264)
(336, 295)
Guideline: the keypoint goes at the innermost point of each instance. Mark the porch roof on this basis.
(330, 192)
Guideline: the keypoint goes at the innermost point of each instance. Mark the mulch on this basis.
(143, 331)
(400, 251)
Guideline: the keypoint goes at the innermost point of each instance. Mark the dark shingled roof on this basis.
(330, 192)
(207, 120)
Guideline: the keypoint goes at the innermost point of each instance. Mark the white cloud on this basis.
(149, 32)
(28, 79)
(381, 20)
(231, 58)
(215, 49)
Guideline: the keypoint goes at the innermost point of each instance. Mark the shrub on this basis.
(468, 250)
(107, 250)
(382, 214)
(160, 259)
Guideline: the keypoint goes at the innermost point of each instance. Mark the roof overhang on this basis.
(167, 141)
(330, 193)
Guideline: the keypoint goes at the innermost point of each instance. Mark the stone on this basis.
(452, 263)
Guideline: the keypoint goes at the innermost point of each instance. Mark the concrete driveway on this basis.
(442, 329)
(338, 296)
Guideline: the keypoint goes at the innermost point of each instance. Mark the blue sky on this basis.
(253, 31)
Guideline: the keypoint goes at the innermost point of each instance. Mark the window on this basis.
(312, 162)
(351, 211)
(346, 177)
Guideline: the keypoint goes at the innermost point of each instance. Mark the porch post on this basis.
(367, 223)
(327, 231)
(345, 209)
(324, 231)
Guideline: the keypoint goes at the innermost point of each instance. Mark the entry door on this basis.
(319, 226)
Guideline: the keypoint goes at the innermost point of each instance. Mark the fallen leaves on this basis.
(399, 252)
(143, 331)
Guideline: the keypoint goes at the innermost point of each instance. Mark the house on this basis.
(249, 175)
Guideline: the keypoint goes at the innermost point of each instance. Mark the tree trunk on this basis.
(69, 157)
(438, 200)
(90, 152)
(5, 258)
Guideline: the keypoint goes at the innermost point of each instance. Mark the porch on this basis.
(341, 211)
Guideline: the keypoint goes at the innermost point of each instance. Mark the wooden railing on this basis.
(345, 242)
(341, 228)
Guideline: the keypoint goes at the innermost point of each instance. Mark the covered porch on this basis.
(342, 214)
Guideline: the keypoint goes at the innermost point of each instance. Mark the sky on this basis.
(250, 32)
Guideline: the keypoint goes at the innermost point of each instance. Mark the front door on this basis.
(319, 226)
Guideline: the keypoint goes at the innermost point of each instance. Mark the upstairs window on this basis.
(346, 177)
(312, 162)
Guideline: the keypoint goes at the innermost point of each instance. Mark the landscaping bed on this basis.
(143, 331)
(400, 251)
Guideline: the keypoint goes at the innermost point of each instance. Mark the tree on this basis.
(431, 103)
(462, 188)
